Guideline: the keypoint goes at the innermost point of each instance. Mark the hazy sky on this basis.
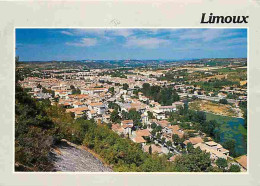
(78, 44)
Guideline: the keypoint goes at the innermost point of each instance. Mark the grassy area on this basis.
(215, 108)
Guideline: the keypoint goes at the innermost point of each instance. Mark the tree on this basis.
(135, 116)
(33, 132)
(158, 128)
(158, 135)
(153, 132)
(163, 140)
(115, 116)
(75, 90)
(190, 147)
(222, 163)
(169, 143)
(125, 86)
(72, 87)
(230, 145)
(223, 101)
(150, 115)
(198, 161)
(176, 139)
(39, 86)
(111, 90)
(146, 88)
(150, 149)
(153, 125)
(234, 168)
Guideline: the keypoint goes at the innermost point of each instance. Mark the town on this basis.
(162, 108)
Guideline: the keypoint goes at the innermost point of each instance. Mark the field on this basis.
(215, 108)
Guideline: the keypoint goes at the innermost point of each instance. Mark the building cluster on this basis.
(97, 92)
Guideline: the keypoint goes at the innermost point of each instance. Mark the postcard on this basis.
(127, 93)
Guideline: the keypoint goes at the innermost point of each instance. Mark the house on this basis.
(127, 126)
(175, 129)
(163, 123)
(143, 133)
(80, 111)
(159, 114)
(78, 104)
(178, 104)
(155, 149)
(42, 95)
(92, 114)
(127, 129)
(140, 107)
(214, 153)
(145, 118)
(222, 95)
(98, 107)
(106, 118)
(173, 157)
(139, 139)
(167, 108)
(127, 122)
(193, 141)
(79, 114)
(117, 128)
(217, 147)
(242, 161)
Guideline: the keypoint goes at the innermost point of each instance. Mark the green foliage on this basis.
(44, 90)
(114, 106)
(115, 116)
(230, 145)
(176, 139)
(33, 133)
(150, 115)
(165, 96)
(169, 143)
(190, 148)
(132, 115)
(76, 91)
(216, 84)
(198, 161)
(111, 90)
(198, 119)
(234, 168)
(123, 154)
(223, 101)
(125, 86)
(232, 96)
(243, 107)
(150, 149)
(222, 163)
(135, 116)
(153, 125)
(39, 86)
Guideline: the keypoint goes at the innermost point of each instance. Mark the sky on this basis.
(121, 44)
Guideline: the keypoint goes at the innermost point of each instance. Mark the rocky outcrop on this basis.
(68, 157)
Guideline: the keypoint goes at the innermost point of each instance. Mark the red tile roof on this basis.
(242, 160)
(144, 132)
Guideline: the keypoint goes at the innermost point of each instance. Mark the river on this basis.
(231, 128)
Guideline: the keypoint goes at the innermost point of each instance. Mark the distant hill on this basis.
(90, 64)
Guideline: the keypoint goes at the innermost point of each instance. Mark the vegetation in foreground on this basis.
(39, 125)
